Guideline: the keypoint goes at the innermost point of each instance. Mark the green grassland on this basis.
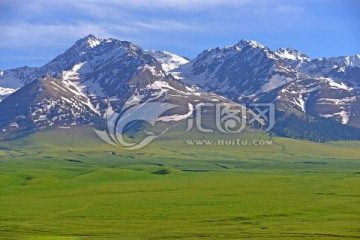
(67, 184)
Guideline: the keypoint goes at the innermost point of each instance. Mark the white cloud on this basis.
(178, 4)
(28, 34)
(70, 19)
(98, 7)
(165, 25)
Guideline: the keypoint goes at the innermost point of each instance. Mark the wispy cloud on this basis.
(27, 34)
(61, 19)
(165, 25)
(149, 4)
(168, 24)
(30, 34)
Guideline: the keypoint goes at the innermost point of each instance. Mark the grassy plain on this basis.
(69, 185)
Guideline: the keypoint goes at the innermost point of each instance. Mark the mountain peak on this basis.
(89, 41)
(91, 36)
(291, 54)
(244, 43)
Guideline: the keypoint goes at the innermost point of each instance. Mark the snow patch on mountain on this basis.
(343, 115)
(336, 101)
(337, 85)
(169, 61)
(291, 54)
(4, 92)
(94, 42)
(177, 117)
(160, 85)
(301, 102)
(275, 82)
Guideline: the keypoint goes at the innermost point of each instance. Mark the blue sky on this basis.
(34, 32)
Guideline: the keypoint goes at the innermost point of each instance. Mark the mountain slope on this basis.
(97, 76)
(45, 103)
(105, 75)
(251, 72)
(246, 68)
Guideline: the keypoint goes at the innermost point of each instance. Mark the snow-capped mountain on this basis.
(45, 103)
(97, 75)
(96, 63)
(247, 68)
(104, 74)
(12, 80)
(342, 69)
(249, 71)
